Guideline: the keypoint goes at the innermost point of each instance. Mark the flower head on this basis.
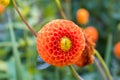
(82, 16)
(91, 34)
(117, 50)
(87, 56)
(60, 42)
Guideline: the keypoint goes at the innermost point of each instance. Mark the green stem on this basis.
(60, 8)
(5, 44)
(16, 55)
(29, 27)
(100, 69)
(57, 74)
(103, 64)
(75, 73)
(68, 8)
(108, 50)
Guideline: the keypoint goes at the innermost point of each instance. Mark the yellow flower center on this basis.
(65, 43)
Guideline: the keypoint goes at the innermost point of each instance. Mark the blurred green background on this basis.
(19, 59)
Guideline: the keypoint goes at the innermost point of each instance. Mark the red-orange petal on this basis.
(48, 42)
(87, 57)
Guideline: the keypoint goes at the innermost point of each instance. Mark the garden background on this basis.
(19, 59)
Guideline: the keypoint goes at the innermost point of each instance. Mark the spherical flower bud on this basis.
(60, 42)
(82, 16)
(117, 50)
(91, 33)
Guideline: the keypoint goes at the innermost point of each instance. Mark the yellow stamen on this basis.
(65, 43)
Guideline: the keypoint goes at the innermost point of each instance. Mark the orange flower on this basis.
(91, 34)
(1, 9)
(117, 50)
(82, 16)
(87, 57)
(60, 42)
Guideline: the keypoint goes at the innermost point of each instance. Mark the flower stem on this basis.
(75, 73)
(16, 54)
(100, 69)
(108, 50)
(60, 8)
(103, 64)
(29, 27)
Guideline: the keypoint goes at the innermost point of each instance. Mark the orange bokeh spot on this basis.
(48, 42)
(82, 16)
(1, 9)
(91, 33)
(117, 50)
